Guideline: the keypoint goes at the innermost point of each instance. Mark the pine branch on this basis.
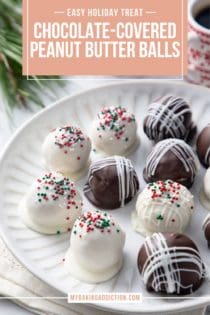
(16, 88)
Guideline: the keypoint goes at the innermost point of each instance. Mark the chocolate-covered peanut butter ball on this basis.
(203, 146)
(171, 159)
(171, 263)
(112, 182)
(169, 117)
(206, 229)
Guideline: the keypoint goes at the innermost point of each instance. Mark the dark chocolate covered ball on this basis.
(171, 159)
(206, 229)
(169, 117)
(171, 263)
(203, 146)
(112, 182)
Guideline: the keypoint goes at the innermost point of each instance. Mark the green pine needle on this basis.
(16, 88)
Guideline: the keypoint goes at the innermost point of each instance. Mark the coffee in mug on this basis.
(203, 17)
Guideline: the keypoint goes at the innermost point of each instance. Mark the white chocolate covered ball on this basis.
(96, 248)
(163, 206)
(114, 131)
(67, 150)
(52, 204)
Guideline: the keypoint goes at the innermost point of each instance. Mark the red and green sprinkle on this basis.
(168, 190)
(67, 137)
(91, 221)
(115, 119)
(51, 188)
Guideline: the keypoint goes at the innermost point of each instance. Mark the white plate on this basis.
(21, 164)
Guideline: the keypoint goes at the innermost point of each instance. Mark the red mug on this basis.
(198, 46)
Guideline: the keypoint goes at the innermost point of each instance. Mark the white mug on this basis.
(198, 46)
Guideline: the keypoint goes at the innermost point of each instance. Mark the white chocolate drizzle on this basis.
(167, 115)
(180, 149)
(127, 177)
(206, 222)
(207, 157)
(162, 264)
